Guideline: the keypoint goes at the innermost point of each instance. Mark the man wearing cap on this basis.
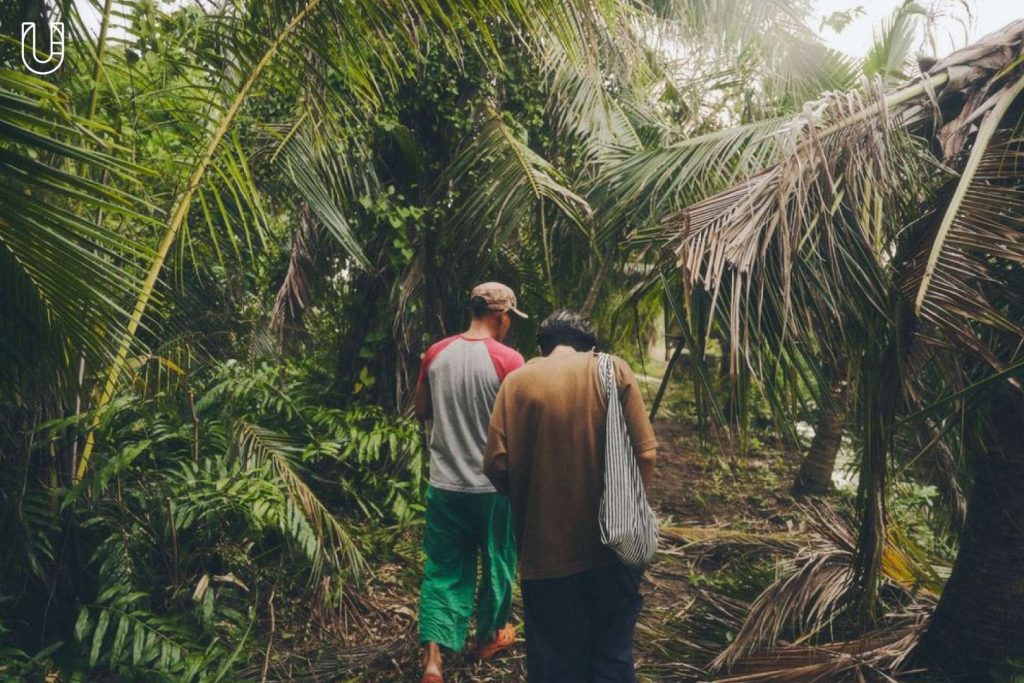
(466, 518)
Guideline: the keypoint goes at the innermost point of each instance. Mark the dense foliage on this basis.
(228, 232)
(205, 499)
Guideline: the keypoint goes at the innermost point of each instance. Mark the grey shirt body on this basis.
(463, 376)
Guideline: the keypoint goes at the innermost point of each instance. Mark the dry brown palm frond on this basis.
(877, 656)
(718, 538)
(812, 594)
(814, 589)
(295, 293)
(954, 264)
(855, 157)
(690, 634)
(845, 166)
(723, 546)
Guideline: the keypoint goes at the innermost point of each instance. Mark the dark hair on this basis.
(566, 327)
(479, 307)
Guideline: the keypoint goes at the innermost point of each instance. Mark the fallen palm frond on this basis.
(682, 637)
(812, 595)
(718, 536)
(718, 542)
(869, 658)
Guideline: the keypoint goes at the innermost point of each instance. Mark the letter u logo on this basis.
(29, 54)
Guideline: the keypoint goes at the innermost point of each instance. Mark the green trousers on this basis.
(460, 527)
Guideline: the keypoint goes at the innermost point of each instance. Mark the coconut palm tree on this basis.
(553, 212)
(714, 161)
(337, 58)
(897, 214)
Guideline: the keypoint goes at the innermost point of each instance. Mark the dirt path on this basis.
(692, 487)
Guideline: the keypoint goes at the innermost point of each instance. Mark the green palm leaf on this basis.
(64, 280)
(511, 183)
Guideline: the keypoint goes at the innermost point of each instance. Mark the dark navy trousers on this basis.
(579, 628)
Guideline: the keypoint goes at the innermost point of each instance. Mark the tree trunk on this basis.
(945, 476)
(979, 620)
(726, 378)
(595, 287)
(815, 475)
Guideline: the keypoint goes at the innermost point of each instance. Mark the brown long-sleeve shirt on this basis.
(545, 450)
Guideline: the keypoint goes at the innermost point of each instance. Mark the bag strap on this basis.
(606, 373)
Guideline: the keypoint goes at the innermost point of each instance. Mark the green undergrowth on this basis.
(219, 513)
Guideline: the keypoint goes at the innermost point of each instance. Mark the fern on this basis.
(381, 456)
(330, 542)
(123, 632)
(186, 521)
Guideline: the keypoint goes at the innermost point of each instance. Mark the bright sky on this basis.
(988, 16)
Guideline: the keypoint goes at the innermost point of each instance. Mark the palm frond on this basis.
(511, 182)
(310, 172)
(890, 54)
(295, 293)
(64, 278)
(974, 215)
(813, 592)
(585, 108)
(877, 656)
(717, 540)
(260, 447)
(662, 179)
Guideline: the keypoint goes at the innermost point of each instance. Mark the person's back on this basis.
(463, 375)
(554, 413)
(545, 450)
(465, 519)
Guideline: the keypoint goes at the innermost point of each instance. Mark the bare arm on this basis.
(421, 405)
(645, 461)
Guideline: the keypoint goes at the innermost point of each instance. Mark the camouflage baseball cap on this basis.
(498, 297)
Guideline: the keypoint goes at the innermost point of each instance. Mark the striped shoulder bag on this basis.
(628, 524)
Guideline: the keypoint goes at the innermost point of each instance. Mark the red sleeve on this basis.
(430, 355)
(505, 359)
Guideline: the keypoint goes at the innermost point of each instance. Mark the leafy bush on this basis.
(201, 503)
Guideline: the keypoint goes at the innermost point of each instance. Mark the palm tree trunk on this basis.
(944, 474)
(979, 620)
(815, 474)
(595, 288)
(728, 380)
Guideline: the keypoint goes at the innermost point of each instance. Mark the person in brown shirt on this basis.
(545, 451)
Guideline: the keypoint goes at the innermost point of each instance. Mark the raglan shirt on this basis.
(463, 376)
(545, 450)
